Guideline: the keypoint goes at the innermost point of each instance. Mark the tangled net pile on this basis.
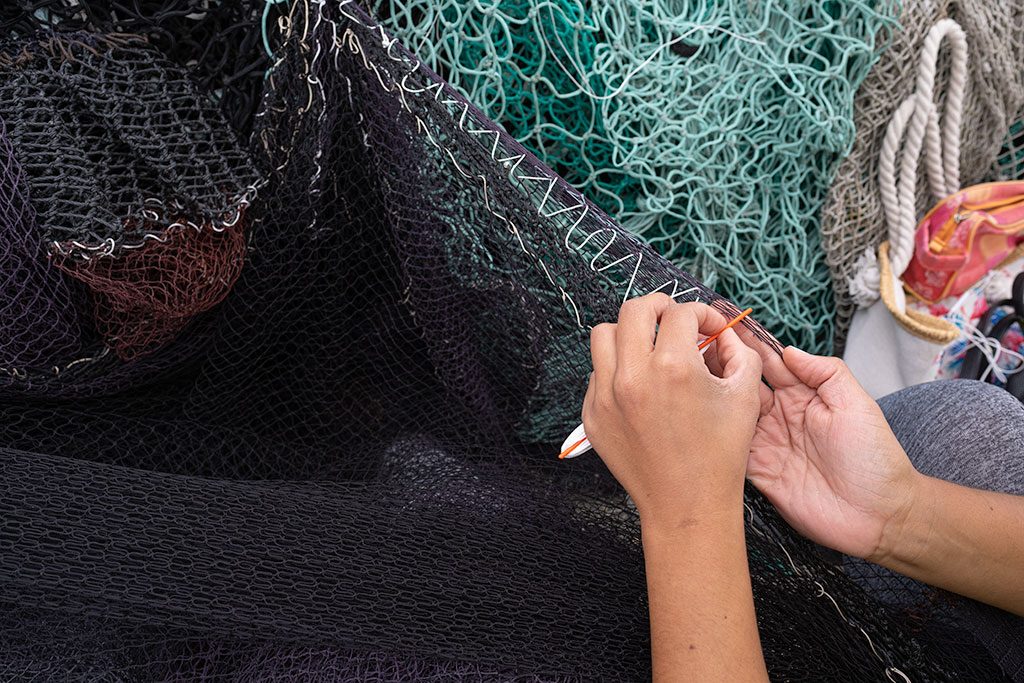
(223, 44)
(138, 188)
(346, 471)
(711, 129)
(852, 219)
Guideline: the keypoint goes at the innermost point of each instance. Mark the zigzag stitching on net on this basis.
(511, 163)
(387, 43)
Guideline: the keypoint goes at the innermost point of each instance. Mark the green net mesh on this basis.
(1010, 162)
(711, 129)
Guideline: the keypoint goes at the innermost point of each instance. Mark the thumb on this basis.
(829, 376)
(740, 363)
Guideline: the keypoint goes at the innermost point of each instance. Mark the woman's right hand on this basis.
(825, 457)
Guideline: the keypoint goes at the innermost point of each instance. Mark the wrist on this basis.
(701, 496)
(907, 532)
(725, 514)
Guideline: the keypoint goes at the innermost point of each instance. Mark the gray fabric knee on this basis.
(963, 431)
(970, 433)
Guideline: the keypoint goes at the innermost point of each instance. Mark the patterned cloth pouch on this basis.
(963, 237)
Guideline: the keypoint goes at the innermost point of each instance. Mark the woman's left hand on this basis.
(673, 433)
(676, 436)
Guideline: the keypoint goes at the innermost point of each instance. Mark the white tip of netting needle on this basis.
(575, 444)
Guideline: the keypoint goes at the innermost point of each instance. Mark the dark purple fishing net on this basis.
(37, 312)
(346, 470)
(139, 190)
(220, 43)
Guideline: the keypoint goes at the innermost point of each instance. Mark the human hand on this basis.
(675, 435)
(825, 457)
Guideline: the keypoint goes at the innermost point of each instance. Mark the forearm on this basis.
(703, 625)
(964, 540)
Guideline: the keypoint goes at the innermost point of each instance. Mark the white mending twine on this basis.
(916, 124)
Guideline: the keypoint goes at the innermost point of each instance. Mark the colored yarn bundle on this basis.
(138, 187)
(711, 129)
(853, 220)
(333, 475)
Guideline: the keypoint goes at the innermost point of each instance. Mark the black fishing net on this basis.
(139, 190)
(223, 44)
(346, 470)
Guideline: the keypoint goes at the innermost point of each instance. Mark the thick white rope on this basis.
(914, 125)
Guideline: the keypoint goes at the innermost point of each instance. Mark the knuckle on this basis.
(675, 310)
(631, 305)
(626, 389)
(601, 330)
(658, 298)
(837, 367)
(693, 310)
(668, 366)
(753, 357)
(691, 307)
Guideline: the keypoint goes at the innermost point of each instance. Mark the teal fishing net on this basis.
(1010, 162)
(711, 129)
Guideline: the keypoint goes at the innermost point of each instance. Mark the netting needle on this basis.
(577, 443)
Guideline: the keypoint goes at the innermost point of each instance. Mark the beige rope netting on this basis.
(852, 219)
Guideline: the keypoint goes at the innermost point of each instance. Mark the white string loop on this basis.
(915, 125)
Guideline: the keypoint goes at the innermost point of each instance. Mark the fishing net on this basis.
(223, 44)
(711, 129)
(346, 470)
(852, 219)
(37, 313)
(1010, 162)
(137, 187)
